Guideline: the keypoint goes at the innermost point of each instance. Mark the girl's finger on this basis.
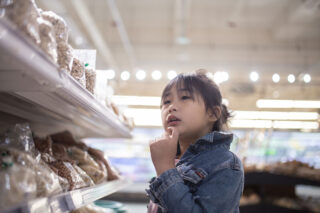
(174, 134)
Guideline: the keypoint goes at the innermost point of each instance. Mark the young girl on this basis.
(196, 172)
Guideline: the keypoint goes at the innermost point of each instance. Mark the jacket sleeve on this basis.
(219, 192)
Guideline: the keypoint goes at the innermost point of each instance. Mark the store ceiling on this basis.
(269, 36)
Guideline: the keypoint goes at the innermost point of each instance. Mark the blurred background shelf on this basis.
(33, 88)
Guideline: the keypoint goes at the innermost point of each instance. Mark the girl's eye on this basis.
(166, 102)
(185, 97)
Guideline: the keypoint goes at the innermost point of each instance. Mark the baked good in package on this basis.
(24, 14)
(64, 50)
(90, 80)
(78, 72)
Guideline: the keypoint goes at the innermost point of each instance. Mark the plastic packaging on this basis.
(44, 145)
(60, 152)
(24, 14)
(66, 170)
(78, 72)
(59, 25)
(67, 139)
(91, 80)
(17, 184)
(65, 56)
(46, 180)
(85, 177)
(81, 157)
(19, 137)
(96, 174)
(47, 39)
(99, 156)
(64, 50)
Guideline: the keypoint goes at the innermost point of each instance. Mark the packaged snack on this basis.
(66, 170)
(17, 184)
(67, 139)
(90, 80)
(81, 157)
(96, 174)
(47, 39)
(78, 72)
(19, 137)
(59, 25)
(44, 145)
(65, 56)
(60, 152)
(85, 177)
(99, 156)
(24, 14)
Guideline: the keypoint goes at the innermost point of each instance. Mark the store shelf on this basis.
(33, 88)
(70, 200)
(266, 178)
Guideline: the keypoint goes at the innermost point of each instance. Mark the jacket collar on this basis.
(216, 137)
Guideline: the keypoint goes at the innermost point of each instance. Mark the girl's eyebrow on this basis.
(166, 95)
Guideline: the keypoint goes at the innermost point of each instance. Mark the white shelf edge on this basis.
(69, 200)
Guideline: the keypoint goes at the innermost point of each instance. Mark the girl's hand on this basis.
(163, 150)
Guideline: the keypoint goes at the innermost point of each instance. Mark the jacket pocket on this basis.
(191, 174)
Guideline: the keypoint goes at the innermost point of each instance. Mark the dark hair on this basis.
(207, 89)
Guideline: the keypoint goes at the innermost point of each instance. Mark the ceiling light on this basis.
(220, 77)
(171, 74)
(110, 74)
(307, 78)
(210, 75)
(125, 75)
(276, 78)
(156, 75)
(141, 75)
(291, 78)
(254, 76)
(268, 115)
(303, 104)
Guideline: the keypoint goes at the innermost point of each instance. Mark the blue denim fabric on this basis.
(208, 178)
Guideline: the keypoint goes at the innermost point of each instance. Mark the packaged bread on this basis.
(95, 173)
(78, 72)
(59, 25)
(19, 137)
(24, 14)
(44, 145)
(98, 155)
(65, 56)
(17, 184)
(47, 39)
(85, 177)
(90, 80)
(81, 157)
(66, 170)
(60, 152)
(47, 181)
(67, 139)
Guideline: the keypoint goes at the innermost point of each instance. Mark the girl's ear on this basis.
(214, 114)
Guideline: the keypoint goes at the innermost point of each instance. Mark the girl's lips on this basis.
(173, 123)
(172, 120)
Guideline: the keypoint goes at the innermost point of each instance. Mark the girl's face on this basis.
(185, 113)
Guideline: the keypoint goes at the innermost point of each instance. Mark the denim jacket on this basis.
(208, 178)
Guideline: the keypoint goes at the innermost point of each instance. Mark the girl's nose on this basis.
(172, 108)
